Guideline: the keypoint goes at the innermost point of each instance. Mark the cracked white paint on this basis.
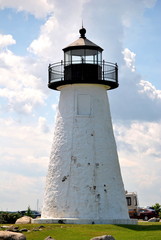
(84, 179)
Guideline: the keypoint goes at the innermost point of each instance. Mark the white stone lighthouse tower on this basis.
(84, 183)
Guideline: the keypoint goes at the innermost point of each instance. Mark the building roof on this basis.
(82, 42)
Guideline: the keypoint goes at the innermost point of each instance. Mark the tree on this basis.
(29, 212)
(157, 208)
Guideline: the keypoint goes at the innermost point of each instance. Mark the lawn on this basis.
(142, 231)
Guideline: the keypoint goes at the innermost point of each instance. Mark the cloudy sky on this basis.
(32, 35)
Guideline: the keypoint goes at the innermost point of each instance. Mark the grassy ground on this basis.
(142, 231)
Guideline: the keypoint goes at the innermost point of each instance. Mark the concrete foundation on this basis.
(85, 221)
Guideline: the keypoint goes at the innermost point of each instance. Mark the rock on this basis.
(41, 227)
(24, 230)
(154, 219)
(49, 238)
(13, 229)
(105, 237)
(16, 228)
(6, 227)
(35, 229)
(6, 235)
(23, 220)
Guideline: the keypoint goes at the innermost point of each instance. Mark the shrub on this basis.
(8, 217)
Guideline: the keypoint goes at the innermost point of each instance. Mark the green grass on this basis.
(142, 231)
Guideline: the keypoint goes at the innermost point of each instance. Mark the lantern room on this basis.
(83, 64)
(82, 51)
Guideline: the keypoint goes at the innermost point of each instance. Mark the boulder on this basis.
(154, 219)
(104, 237)
(6, 235)
(23, 220)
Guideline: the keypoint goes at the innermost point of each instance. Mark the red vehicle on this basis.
(146, 214)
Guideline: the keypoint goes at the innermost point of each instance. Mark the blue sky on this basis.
(145, 42)
(32, 35)
(22, 26)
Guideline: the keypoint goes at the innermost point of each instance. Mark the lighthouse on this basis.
(84, 183)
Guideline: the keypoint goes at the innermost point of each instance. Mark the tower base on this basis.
(85, 221)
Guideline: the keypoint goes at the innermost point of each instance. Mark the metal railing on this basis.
(109, 71)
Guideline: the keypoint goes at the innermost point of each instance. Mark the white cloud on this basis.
(133, 11)
(25, 151)
(25, 139)
(149, 3)
(129, 58)
(39, 8)
(135, 99)
(42, 125)
(44, 44)
(29, 192)
(24, 100)
(60, 29)
(54, 106)
(6, 40)
(148, 89)
(143, 137)
(139, 151)
(19, 86)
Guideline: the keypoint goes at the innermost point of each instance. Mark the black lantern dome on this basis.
(83, 64)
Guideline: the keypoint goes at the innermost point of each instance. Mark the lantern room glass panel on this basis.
(67, 58)
(99, 58)
(77, 56)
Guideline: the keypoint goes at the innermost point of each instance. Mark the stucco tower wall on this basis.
(84, 179)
